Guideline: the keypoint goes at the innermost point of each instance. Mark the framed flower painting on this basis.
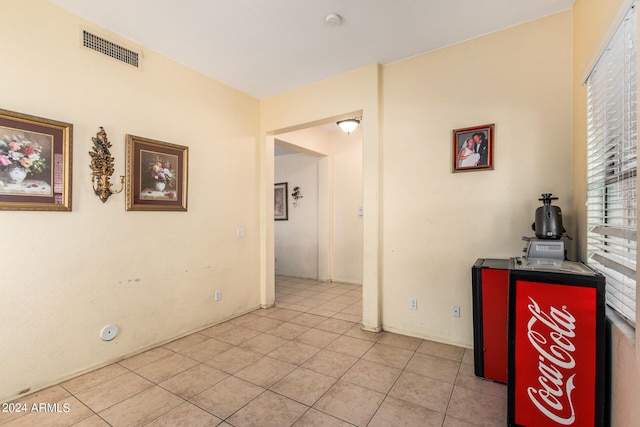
(35, 163)
(156, 175)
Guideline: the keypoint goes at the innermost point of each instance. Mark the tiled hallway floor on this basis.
(305, 362)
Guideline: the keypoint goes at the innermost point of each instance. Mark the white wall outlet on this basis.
(455, 311)
(240, 233)
(217, 295)
(413, 304)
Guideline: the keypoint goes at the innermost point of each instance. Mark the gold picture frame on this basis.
(35, 163)
(156, 175)
(473, 148)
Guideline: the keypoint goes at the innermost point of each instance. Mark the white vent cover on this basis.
(111, 49)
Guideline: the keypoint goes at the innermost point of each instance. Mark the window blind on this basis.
(612, 166)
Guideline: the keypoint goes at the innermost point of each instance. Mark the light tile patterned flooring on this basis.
(305, 362)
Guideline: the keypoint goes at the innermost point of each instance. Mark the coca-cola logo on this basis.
(551, 335)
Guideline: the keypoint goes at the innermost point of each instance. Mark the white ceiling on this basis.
(267, 47)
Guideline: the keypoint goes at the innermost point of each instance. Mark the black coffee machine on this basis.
(549, 231)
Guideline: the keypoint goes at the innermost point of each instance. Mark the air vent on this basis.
(111, 49)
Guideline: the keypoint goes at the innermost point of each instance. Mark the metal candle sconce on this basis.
(102, 167)
(297, 194)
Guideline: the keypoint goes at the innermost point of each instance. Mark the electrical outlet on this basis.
(217, 295)
(455, 311)
(413, 304)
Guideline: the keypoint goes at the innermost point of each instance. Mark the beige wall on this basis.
(593, 23)
(347, 198)
(437, 223)
(153, 274)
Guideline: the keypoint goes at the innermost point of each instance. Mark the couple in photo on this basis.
(474, 152)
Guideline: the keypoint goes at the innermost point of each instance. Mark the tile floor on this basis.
(305, 362)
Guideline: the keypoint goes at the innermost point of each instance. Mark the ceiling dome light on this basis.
(332, 20)
(348, 125)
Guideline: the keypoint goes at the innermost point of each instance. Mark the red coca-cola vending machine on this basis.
(556, 344)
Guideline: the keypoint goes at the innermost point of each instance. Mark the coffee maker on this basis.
(547, 245)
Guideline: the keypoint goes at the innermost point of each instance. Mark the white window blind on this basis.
(612, 167)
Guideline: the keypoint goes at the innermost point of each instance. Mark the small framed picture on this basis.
(280, 202)
(35, 163)
(156, 175)
(473, 148)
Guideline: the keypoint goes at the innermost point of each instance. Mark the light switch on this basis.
(240, 233)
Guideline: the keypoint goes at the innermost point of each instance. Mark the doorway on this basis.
(328, 164)
(296, 232)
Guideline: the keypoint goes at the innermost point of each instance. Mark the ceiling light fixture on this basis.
(349, 125)
(332, 20)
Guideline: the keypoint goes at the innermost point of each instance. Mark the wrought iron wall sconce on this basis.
(297, 194)
(102, 167)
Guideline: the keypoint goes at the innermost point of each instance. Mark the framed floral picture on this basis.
(280, 202)
(473, 148)
(35, 163)
(156, 175)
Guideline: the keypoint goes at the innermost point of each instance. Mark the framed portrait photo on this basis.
(472, 148)
(280, 202)
(156, 175)
(35, 163)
